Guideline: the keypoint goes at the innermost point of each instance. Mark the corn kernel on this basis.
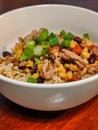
(39, 67)
(62, 75)
(83, 40)
(85, 55)
(89, 43)
(18, 50)
(35, 75)
(69, 75)
(73, 67)
(86, 61)
(27, 70)
(66, 65)
(96, 62)
(73, 44)
(61, 68)
(56, 74)
(85, 49)
(29, 64)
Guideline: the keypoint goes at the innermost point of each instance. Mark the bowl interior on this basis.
(54, 17)
(21, 22)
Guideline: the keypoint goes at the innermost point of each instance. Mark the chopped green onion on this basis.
(63, 33)
(27, 54)
(30, 43)
(45, 44)
(86, 35)
(38, 50)
(43, 35)
(65, 43)
(37, 61)
(23, 57)
(44, 51)
(68, 36)
(53, 40)
(32, 80)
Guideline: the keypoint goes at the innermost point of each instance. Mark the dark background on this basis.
(7, 5)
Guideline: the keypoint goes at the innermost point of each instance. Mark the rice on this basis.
(43, 57)
(13, 72)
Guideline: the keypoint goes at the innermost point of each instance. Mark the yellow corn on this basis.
(85, 55)
(39, 67)
(62, 75)
(56, 74)
(96, 62)
(89, 43)
(18, 50)
(85, 49)
(73, 44)
(86, 61)
(73, 67)
(69, 75)
(30, 63)
(61, 68)
(27, 70)
(35, 75)
(66, 65)
(83, 40)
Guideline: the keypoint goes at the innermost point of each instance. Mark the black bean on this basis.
(33, 69)
(92, 58)
(77, 39)
(40, 80)
(62, 61)
(6, 53)
(21, 67)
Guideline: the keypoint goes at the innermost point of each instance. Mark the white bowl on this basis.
(54, 17)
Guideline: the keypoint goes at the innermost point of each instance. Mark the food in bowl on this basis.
(48, 57)
(41, 96)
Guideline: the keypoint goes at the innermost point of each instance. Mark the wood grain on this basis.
(15, 117)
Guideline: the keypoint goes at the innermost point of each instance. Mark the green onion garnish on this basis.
(45, 44)
(30, 43)
(32, 80)
(37, 61)
(65, 43)
(63, 33)
(86, 35)
(27, 54)
(68, 36)
(38, 50)
(53, 40)
(43, 35)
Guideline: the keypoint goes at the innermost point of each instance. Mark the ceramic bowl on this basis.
(48, 97)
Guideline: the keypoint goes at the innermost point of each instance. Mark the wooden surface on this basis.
(15, 117)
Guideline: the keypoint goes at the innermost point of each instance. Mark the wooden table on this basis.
(15, 117)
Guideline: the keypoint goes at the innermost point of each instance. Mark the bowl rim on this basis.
(56, 85)
(49, 5)
(41, 85)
